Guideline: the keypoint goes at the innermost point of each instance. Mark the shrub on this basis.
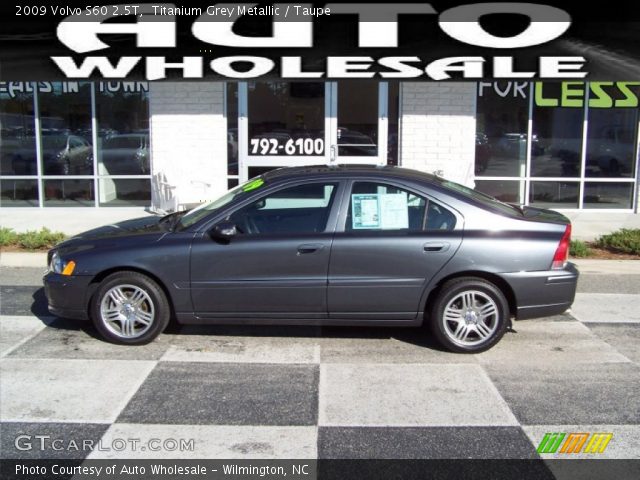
(7, 237)
(579, 249)
(625, 240)
(39, 239)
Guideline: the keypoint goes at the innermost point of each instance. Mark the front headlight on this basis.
(63, 267)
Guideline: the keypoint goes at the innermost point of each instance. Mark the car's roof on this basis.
(387, 171)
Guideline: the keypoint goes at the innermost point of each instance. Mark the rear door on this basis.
(389, 242)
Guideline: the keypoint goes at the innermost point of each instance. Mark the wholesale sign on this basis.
(419, 41)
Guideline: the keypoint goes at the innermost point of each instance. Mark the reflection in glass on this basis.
(554, 194)
(17, 127)
(608, 195)
(358, 118)
(557, 144)
(122, 110)
(286, 118)
(611, 142)
(506, 191)
(501, 131)
(68, 193)
(65, 126)
(394, 118)
(232, 128)
(124, 192)
(19, 193)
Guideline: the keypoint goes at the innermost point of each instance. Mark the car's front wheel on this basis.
(469, 315)
(130, 308)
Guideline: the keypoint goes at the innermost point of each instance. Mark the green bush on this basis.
(39, 239)
(579, 249)
(7, 237)
(625, 240)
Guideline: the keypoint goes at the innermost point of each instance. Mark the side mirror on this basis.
(224, 231)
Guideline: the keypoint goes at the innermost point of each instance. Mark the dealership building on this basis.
(163, 146)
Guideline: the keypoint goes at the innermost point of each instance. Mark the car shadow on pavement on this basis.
(419, 336)
(39, 306)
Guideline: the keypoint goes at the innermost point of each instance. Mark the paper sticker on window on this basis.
(394, 211)
(365, 211)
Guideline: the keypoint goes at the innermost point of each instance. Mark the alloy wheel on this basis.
(127, 311)
(471, 318)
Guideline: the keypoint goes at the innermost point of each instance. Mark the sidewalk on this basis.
(600, 267)
(70, 221)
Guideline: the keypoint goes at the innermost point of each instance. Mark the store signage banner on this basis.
(434, 41)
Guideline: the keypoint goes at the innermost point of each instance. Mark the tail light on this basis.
(562, 252)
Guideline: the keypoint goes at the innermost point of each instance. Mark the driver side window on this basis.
(294, 210)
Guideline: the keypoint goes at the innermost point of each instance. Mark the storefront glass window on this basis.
(358, 119)
(608, 195)
(611, 137)
(582, 136)
(68, 193)
(232, 129)
(116, 192)
(557, 130)
(394, 117)
(122, 111)
(19, 193)
(503, 190)
(17, 129)
(501, 132)
(65, 126)
(286, 118)
(64, 133)
(554, 194)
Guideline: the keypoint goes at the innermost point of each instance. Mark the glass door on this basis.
(282, 124)
(287, 124)
(358, 122)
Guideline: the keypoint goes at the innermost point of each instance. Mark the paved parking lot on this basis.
(294, 392)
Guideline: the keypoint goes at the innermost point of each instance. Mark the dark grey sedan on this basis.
(346, 245)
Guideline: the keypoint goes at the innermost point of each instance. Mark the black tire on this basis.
(450, 295)
(155, 306)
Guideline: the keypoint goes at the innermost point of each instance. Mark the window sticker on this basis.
(383, 211)
(365, 211)
(394, 211)
(252, 185)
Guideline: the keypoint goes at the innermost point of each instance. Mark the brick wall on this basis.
(438, 128)
(188, 142)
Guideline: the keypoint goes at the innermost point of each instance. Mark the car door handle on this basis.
(309, 248)
(436, 246)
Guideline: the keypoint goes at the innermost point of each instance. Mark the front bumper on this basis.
(545, 293)
(67, 296)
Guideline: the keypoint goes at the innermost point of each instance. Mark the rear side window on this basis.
(383, 207)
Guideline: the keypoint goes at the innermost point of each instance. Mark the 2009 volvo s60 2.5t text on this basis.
(343, 245)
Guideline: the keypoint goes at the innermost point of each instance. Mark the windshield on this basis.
(480, 197)
(198, 213)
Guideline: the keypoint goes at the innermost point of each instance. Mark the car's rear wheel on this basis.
(469, 315)
(130, 308)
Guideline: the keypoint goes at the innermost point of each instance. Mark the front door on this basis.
(276, 266)
(389, 243)
(287, 124)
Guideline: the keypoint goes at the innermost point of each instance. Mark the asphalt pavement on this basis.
(306, 392)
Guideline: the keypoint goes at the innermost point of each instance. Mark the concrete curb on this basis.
(23, 259)
(610, 267)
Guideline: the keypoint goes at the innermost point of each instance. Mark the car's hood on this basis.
(137, 226)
